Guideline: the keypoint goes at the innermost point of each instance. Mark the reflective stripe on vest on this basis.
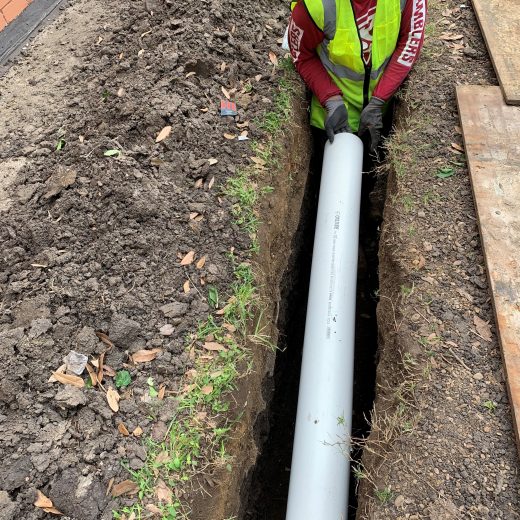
(341, 50)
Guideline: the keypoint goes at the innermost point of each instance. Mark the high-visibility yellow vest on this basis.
(341, 52)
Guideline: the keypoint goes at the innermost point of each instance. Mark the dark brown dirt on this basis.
(442, 444)
(101, 252)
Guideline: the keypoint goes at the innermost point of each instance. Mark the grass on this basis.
(384, 495)
(244, 188)
(197, 434)
(201, 425)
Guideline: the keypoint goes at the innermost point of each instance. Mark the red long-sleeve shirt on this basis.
(304, 38)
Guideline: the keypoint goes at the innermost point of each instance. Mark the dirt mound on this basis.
(96, 216)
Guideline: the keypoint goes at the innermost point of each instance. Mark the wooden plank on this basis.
(499, 21)
(491, 132)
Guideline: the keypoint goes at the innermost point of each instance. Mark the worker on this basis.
(353, 55)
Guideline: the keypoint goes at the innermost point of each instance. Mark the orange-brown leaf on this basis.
(207, 389)
(213, 346)
(163, 134)
(143, 356)
(188, 258)
(163, 492)
(69, 379)
(123, 429)
(273, 58)
(127, 487)
(92, 373)
(104, 338)
(162, 391)
(113, 399)
(138, 431)
(201, 262)
(186, 286)
(42, 501)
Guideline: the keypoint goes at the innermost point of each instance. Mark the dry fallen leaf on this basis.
(138, 431)
(163, 492)
(104, 338)
(143, 356)
(127, 487)
(457, 147)
(61, 370)
(226, 93)
(222, 311)
(162, 391)
(108, 371)
(483, 328)
(212, 345)
(258, 161)
(199, 183)
(154, 509)
(113, 399)
(229, 327)
(162, 458)
(258, 77)
(243, 125)
(100, 373)
(109, 487)
(163, 134)
(188, 258)
(42, 501)
(206, 390)
(93, 375)
(273, 58)
(212, 161)
(223, 66)
(46, 504)
(186, 287)
(211, 182)
(123, 429)
(230, 136)
(201, 262)
(192, 73)
(68, 379)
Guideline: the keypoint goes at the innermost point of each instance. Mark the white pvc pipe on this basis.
(319, 482)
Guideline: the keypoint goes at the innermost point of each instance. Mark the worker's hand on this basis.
(372, 120)
(337, 117)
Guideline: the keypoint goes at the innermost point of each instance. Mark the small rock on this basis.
(124, 331)
(166, 330)
(478, 376)
(174, 310)
(70, 397)
(87, 340)
(39, 326)
(159, 431)
(471, 53)
(399, 501)
(7, 507)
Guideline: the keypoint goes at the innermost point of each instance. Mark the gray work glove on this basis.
(372, 120)
(337, 117)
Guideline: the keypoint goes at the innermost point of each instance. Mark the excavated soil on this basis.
(442, 444)
(92, 243)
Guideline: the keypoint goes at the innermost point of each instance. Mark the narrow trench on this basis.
(264, 493)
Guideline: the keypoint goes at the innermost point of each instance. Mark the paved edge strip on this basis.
(24, 26)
